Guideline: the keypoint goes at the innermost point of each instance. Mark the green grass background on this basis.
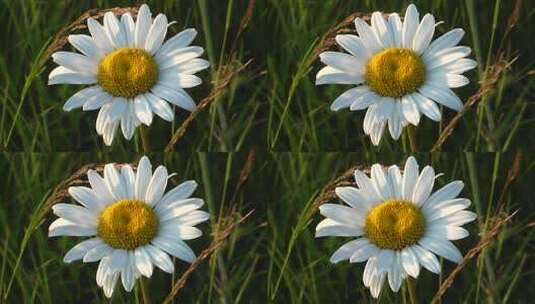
(274, 257)
(275, 108)
(274, 104)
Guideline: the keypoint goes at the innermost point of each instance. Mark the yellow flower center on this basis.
(128, 224)
(127, 72)
(395, 72)
(395, 224)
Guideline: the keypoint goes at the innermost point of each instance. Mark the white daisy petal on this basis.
(96, 101)
(364, 252)
(346, 251)
(369, 270)
(98, 185)
(172, 80)
(381, 29)
(385, 259)
(410, 24)
(353, 44)
(395, 121)
(114, 30)
(424, 34)
(143, 24)
(191, 218)
(62, 75)
(446, 56)
(343, 62)
(179, 208)
(449, 191)
(76, 214)
(424, 186)
(367, 35)
(99, 35)
(180, 40)
(129, 28)
(380, 182)
(156, 34)
(179, 57)
(98, 253)
(143, 177)
(458, 67)
(409, 262)
(180, 192)
(395, 180)
(331, 75)
(129, 178)
(115, 182)
(190, 67)
(79, 98)
(87, 197)
(410, 110)
(142, 110)
(448, 40)
(410, 177)
(160, 107)
(127, 273)
(446, 232)
(365, 100)
(427, 107)
(329, 227)
(442, 248)
(143, 262)
(176, 248)
(442, 95)
(157, 185)
(345, 215)
(395, 274)
(108, 132)
(395, 27)
(86, 45)
(449, 80)
(446, 208)
(77, 252)
(354, 198)
(427, 259)
(176, 96)
(458, 218)
(61, 227)
(377, 284)
(348, 98)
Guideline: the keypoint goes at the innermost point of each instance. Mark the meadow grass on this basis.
(273, 107)
(274, 256)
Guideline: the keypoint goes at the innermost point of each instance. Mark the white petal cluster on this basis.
(444, 64)
(176, 59)
(444, 215)
(177, 213)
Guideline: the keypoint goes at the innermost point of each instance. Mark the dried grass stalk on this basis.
(228, 72)
(60, 40)
(486, 241)
(218, 241)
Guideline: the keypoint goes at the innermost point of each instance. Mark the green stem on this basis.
(144, 290)
(412, 138)
(143, 132)
(411, 287)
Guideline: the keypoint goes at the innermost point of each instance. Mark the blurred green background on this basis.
(274, 108)
(273, 257)
(274, 104)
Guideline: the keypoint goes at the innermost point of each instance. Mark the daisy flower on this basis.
(132, 223)
(133, 73)
(399, 71)
(399, 223)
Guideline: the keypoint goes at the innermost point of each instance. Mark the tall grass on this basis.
(273, 108)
